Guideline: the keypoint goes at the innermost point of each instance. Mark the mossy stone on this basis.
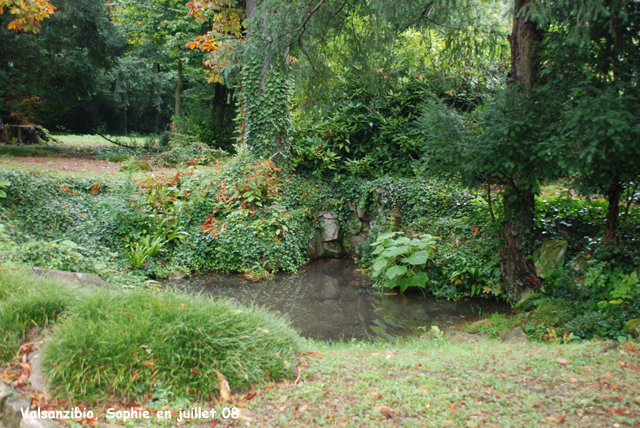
(633, 327)
(549, 255)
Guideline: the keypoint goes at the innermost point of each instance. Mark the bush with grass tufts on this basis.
(124, 345)
(26, 304)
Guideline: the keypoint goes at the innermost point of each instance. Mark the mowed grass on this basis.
(438, 384)
(95, 140)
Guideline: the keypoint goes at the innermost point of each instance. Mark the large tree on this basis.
(46, 73)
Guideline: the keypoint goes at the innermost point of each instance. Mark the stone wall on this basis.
(11, 407)
(334, 239)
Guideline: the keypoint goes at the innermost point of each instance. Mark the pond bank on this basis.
(331, 299)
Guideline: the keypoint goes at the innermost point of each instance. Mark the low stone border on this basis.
(11, 407)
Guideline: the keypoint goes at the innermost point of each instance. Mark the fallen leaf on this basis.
(453, 409)
(475, 230)
(483, 416)
(135, 376)
(488, 392)
(573, 380)
(386, 410)
(149, 364)
(223, 386)
(563, 361)
(375, 354)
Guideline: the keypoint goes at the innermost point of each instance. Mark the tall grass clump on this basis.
(27, 303)
(123, 345)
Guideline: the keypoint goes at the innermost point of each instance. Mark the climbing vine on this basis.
(268, 121)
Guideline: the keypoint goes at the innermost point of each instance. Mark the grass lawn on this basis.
(460, 385)
(441, 384)
(94, 140)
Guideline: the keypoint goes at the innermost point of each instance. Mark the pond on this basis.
(332, 300)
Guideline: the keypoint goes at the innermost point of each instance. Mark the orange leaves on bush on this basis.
(210, 225)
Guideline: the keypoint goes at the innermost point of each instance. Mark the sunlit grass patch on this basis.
(94, 140)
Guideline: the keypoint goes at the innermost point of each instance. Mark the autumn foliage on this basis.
(226, 32)
(27, 13)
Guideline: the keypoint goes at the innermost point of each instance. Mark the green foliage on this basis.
(3, 185)
(66, 61)
(62, 255)
(186, 149)
(129, 345)
(402, 262)
(117, 157)
(163, 231)
(266, 107)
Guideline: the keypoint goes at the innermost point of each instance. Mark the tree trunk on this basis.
(613, 197)
(518, 199)
(517, 230)
(524, 40)
(124, 120)
(22, 134)
(178, 90)
(265, 100)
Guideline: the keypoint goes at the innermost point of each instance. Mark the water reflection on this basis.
(331, 299)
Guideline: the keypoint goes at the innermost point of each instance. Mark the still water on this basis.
(331, 299)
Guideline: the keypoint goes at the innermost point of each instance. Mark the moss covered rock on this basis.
(549, 255)
(633, 327)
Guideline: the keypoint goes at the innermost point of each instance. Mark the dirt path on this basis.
(70, 165)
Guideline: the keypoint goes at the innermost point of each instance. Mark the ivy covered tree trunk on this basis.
(517, 229)
(178, 90)
(613, 210)
(266, 93)
(518, 198)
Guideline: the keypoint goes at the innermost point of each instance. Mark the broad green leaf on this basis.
(404, 283)
(394, 271)
(418, 258)
(378, 249)
(391, 283)
(403, 241)
(419, 280)
(393, 251)
(4, 182)
(380, 264)
(383, 237)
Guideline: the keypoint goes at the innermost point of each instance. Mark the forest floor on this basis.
(74, 155)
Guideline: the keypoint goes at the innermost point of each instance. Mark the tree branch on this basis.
(115, 142)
